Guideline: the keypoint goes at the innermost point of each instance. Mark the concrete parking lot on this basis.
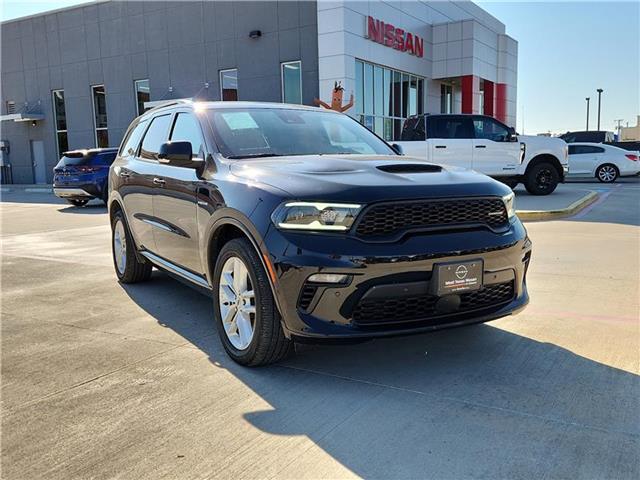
(101, 380)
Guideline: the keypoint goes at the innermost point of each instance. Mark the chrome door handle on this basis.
(158, 181)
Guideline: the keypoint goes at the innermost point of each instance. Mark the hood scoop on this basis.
(410, 168)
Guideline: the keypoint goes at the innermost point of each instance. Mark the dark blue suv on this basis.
(81, 175)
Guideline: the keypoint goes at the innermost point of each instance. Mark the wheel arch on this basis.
(228, 228)
(545, 157)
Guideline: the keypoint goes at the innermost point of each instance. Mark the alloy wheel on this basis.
(120, 246)
(237, 303)
(607, 173)
(543, 179)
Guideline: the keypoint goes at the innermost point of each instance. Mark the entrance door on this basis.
(38, 162)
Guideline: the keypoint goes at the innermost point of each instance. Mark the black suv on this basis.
(302, 224)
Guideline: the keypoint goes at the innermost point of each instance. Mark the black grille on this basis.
(306, 296)
(421, 307)
(392, 218)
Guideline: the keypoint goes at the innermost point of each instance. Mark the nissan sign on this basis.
(394, 37)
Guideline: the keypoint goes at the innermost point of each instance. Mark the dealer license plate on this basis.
(457, 277)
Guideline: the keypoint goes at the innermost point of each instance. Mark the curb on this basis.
(575, 207)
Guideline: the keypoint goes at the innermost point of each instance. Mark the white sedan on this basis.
(605, 162)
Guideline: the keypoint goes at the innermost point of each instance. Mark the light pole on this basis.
(587, 99)
(599, 98)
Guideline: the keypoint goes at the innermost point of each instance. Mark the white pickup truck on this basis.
(484, 144)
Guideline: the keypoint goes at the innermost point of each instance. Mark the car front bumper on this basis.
(389, 289)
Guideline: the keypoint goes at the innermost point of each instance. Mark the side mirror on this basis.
(397, 148)
(178, 154)
(513, 136)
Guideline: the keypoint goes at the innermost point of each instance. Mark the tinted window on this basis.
(131, 142)
(488, 129)
(449, 127)
(413, 129)
(582, 149)
(156, 135)
(187, 129)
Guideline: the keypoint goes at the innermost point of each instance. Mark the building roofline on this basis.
(56, 10)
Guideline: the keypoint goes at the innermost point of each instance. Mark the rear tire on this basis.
(128, 268)
(542, 179)
(251, 330)
(607, 173)
(78, 202)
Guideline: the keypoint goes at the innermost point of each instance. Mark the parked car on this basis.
(81, 175)
(605, 162)
(589, 136)
(303, 224)
(486, 145)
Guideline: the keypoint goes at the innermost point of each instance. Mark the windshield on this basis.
(271, 132)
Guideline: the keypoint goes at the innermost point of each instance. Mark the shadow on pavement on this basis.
(474, 401)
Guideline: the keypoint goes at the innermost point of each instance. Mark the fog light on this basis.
(328, 278)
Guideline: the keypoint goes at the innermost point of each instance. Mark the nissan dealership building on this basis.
(76, 77)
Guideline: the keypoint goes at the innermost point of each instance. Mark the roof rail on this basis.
(168, 103)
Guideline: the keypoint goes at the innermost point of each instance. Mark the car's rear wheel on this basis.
(542, 179)
(246, 315)
(607, 173)
(128, 268)
(78, 202)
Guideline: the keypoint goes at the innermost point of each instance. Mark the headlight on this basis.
(315, 216)
(510, 204)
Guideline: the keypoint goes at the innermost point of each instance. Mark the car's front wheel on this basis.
(246, 315)
(128, 268)
(607, 173)
(78, 202)
(542, 179)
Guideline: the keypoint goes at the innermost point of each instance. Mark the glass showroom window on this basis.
(100, 115)
(60, 116)
(142, 94)
(446, 98)
(229, 85)
(291, 82)
(386, 97)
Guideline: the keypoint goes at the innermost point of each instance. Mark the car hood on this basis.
(365, 178)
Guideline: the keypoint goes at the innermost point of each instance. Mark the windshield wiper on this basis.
(253, 155)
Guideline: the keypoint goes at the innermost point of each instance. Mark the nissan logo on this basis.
(461, 272)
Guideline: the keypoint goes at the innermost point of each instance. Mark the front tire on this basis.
(128, 268)
(245, 312)
(78, 202)
(542, 179)
(607, 173)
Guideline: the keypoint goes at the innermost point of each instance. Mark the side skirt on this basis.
(178, 272)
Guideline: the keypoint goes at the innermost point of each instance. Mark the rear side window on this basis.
(187, 129)
(156, 135)
(449, 127)
(131, 142)
(413, 129)
(582, 149)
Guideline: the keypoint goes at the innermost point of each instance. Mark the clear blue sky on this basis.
(566, 51)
